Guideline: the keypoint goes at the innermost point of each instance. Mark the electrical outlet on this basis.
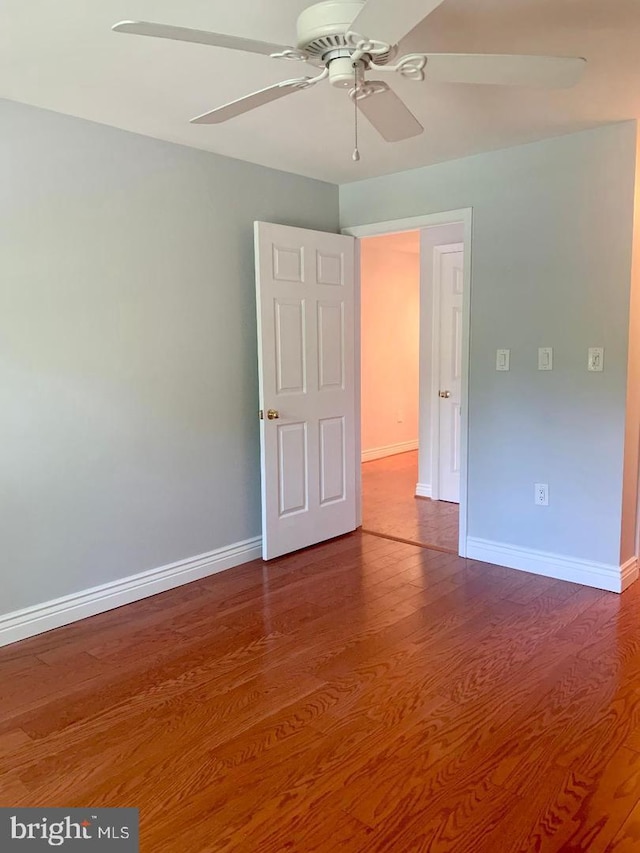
(541, 494)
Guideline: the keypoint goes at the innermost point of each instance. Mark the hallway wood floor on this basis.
(390, 507)
(364, 695)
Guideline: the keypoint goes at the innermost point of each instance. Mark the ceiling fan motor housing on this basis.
(321, 34)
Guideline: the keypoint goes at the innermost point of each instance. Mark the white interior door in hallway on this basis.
(448, 291)
(305, 283)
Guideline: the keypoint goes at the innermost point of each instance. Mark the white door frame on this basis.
(413, 223)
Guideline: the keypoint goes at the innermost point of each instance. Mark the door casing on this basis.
(465, 217)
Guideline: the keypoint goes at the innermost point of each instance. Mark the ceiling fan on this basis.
(347, 39)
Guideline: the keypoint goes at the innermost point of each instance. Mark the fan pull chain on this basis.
(356, 153)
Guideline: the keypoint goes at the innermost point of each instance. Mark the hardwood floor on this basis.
(390, 508)
(364, 695)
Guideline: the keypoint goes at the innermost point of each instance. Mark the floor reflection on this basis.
(390, 508)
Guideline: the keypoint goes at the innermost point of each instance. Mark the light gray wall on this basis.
(128, 378)
(551, 266)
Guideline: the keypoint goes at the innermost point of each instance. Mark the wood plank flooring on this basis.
(363, 695)
(390, 507)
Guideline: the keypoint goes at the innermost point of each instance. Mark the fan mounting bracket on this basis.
(291, 54)
(366, 89)
(412, 66)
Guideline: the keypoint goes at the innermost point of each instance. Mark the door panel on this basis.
(290, 346)
(288, 264)
(292, 468)
(331, 345)
(330, 268)
(333, 486)
(306, 337)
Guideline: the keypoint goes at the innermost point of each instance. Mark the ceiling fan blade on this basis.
(391, 20)
(389, 114)
(166, 31)
(554, 72)
(250, 102)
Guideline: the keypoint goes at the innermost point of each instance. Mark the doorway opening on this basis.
(414, 317)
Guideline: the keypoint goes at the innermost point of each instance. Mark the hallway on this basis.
(390, 508)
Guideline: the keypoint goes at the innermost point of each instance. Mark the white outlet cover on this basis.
(596, 359)
(503, 358)
(545, 358)
(541, 494)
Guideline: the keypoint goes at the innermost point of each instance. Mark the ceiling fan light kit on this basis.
(346, 39)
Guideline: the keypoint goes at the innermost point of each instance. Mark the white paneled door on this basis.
(305, 282)
(451, 269)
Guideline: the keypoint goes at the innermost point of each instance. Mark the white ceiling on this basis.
(62, 56)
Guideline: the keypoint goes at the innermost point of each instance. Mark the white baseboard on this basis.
(423, 490)
(389, 450)
(600, 575)
(71, 608)
(629, 572)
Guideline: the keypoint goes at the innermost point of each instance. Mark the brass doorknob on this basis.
(273, 414)
(445, 394)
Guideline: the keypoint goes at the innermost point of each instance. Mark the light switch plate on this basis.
(545, 358)
(503, 358)
(596, 359)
